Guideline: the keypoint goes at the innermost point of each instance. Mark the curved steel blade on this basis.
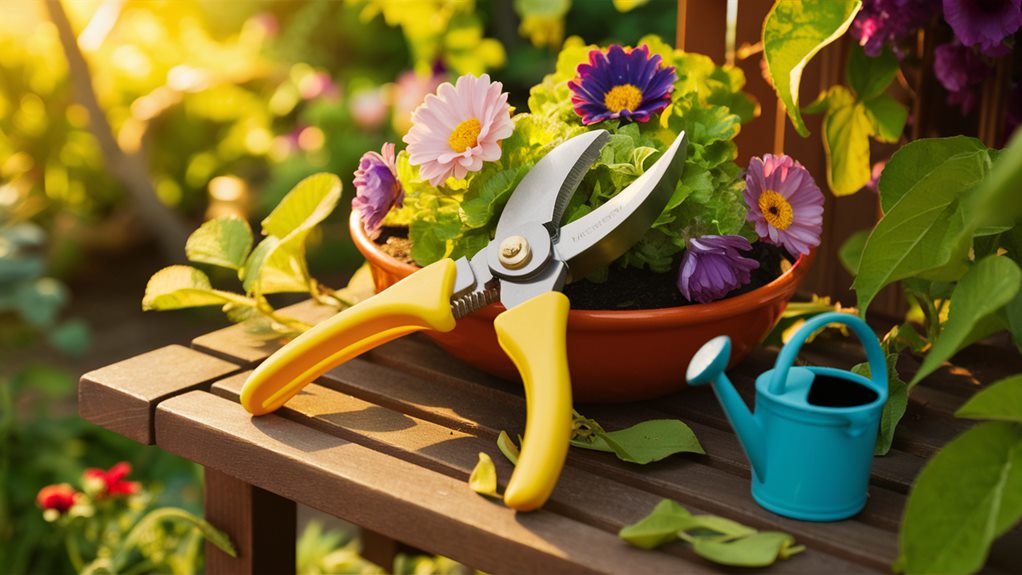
(535, 199)
(606, 233)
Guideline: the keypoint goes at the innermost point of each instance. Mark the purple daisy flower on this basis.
(985, 23)
(377, 188)
(626, 84)
(784, 202)
(713, 266)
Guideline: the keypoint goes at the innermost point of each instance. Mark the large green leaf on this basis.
(966, 496)
(178, 287)
(307, 204)
(846, 132)
(794, 32)
(913, 161)
(996, 201)
(920, 232)
(646, 442)
(1000, 401)
(223, 242)
(989, 284)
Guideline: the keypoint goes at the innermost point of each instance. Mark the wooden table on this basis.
(387, 442)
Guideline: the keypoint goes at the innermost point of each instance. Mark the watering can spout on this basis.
(707, 366)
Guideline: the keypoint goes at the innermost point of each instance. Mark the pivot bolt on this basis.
(514, 252)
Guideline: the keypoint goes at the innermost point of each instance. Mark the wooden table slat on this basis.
(122, 396)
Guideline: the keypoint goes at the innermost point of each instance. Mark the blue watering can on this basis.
(811, 438)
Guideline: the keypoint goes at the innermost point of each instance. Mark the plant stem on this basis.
(321, 293)
(264, 307)
(74, 553)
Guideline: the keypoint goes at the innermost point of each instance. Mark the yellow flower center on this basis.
(465, 135)
(776, 210)
(623, 97)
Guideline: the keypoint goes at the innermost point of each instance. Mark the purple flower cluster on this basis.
(961, 70)
(984, 23)
(890, 22)
(713, 266)
(377, 188)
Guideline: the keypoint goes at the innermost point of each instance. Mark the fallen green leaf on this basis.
(507, 447)
(1000, 401)
(483, 479)
(652, 441)
(659, 527)
(759, 550)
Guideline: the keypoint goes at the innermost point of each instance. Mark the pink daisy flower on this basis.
(784, 202)
(457, 129)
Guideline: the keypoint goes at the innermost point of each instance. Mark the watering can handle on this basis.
(875, 355)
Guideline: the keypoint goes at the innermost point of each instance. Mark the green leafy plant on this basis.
(277, 263)
(713, 538)
(109, 526)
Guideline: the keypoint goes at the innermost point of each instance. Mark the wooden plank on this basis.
(682, 478)
(399, 499)
(261, 525)
(122, 397)
(235, 343)
(581, 495)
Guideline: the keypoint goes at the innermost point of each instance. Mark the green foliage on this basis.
(277, 264)
(794, 32)
(856, 114)
(713, 538)
(968, 494)
(483, 479)
(460, 217)
(1000, 401)
(642, 443)
(331, 551)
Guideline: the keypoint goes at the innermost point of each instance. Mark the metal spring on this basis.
(474, 301)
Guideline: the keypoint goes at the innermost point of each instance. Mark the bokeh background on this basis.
(124, 124)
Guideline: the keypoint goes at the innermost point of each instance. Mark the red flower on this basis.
(113, 479)
(59, 497)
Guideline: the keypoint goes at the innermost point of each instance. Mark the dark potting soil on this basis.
(626, 288)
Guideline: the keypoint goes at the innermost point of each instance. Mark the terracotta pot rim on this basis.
(620, 320)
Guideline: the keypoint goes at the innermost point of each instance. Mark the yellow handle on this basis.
(420, 301)
(532, 334)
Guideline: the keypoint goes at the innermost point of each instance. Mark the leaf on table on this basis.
(507, 447)
(177, 287)
(870, 76)
(659, 527)
(223, 242)
(982, 468)
(990, 284)
(483, 479)
(794, 32)
(918, 232)
(715, 527)
(894, 408)
(652, 440)
(1000, 401)
(759, 550)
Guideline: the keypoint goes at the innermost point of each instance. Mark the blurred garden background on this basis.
(125, 124)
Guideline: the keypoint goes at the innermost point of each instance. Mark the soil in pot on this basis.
(625, 288)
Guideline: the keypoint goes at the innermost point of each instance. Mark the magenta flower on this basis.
(961, 71)
(713, 266)
(784, 202)
(985, 23)
(457, 129)
(890, 22)
(377, 188)
(626, 84)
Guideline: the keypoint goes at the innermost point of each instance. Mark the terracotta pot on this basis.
(613, 356)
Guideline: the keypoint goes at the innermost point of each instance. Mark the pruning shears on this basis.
(524, 267)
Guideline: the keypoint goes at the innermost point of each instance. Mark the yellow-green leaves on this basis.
(988, 285)
(921, 231)
(1001, 401)
(223, 242)
(794, 32)
(177, 287)
(714, 538)
(856, 114)
(967, 495)
(483, 479)
(508, 447)
(642, 443)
